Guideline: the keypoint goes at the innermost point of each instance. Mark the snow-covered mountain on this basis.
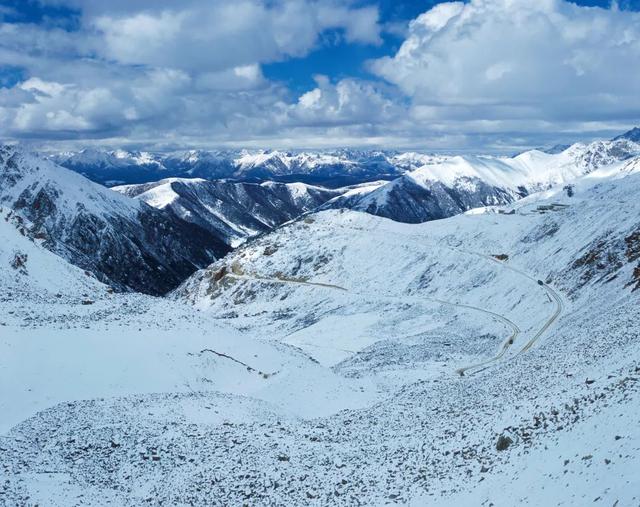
(231, 211)
(28, 270)
(321, 363)
(504, 298)
(109, 167)
(632, 135)
(121, 241)
(444, 188)
(337, 168)
(421, 187)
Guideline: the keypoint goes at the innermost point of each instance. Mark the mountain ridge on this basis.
(231, 210)
(124, 242)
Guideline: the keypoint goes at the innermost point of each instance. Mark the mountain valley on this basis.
(333, 356)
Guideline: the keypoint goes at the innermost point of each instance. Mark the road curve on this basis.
(515, 330)
(553, 295)
(474, 368)
(284, 280)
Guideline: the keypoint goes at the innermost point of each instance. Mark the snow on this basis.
(320, 365)
(232, 210)
(532, 169)
(323, 340)
(298, 191)
(509, 177)
(580, 466)
(357, 332)
(47, 272)
(161, 194)
(36, 173)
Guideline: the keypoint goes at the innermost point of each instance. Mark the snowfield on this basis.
(320, 364)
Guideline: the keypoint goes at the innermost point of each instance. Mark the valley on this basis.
(339, 358)
(319, 253)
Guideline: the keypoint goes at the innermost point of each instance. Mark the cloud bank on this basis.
(488, 74)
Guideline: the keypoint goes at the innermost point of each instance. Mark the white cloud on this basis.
(244, 77)
(162, 69)
(217, 35)
(348, 102)
(504, 59)
(56, 108)
(486, 74)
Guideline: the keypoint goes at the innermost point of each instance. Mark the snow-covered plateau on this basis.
(343, 358)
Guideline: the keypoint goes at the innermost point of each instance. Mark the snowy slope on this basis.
(443, 188)
(318, 364)
(29, 270)
(231, 211)
(411, 313)
(122, 241)
(633, 135)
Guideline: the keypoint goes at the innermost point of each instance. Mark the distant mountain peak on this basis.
(631, 135)
(554, 150)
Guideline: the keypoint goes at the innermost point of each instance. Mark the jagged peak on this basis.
(631, 135)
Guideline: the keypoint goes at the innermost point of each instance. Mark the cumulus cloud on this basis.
(494, 75)
(508, 60)
(164, 69)
(217, 34)
(347, 102)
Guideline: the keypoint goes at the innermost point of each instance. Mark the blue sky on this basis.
(340, 60)
(486, 75)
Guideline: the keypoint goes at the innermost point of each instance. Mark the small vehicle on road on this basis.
(540, 282)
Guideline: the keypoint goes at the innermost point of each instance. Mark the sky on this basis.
(481, 75)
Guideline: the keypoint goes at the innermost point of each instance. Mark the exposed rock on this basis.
(503, 443)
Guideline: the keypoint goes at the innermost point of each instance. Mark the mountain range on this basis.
(149, 237)
(444, 188)
(231, 211)
(325, 168)
(339, 358)
(406, 187)
(338, 168)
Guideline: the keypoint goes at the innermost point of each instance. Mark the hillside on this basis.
(231, 211)
(457, 294)
(122, 241)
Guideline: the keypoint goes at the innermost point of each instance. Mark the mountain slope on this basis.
(30, 271)
(448, 187)
(419, 196)
(124, 242)
(231, 211)
(336, 168)
(632, 135)
(322, 367)
(584, 244)
(409, 312)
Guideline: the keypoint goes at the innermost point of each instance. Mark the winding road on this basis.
(553, 295)
(238, 273)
